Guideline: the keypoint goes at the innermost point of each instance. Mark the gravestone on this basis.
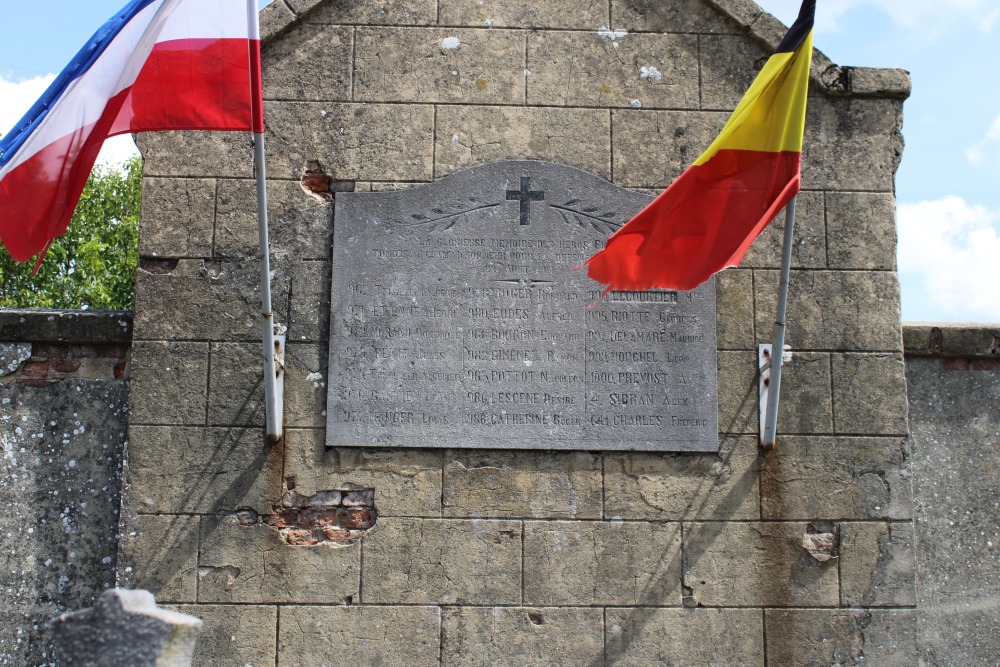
(125, 629)
(458, 320)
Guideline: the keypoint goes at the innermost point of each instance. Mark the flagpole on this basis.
(769, 435)
(272, 402)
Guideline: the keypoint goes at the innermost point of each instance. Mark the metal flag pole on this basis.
(273, 346)
(769, 433)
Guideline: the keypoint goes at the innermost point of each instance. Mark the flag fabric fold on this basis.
(707, 219)
(156, 65)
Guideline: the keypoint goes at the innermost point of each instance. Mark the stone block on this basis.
(877, 565)
(573, 14)
(669, 487)
(806, 405)
(160, 554)
(407, 482)
(729, 65)
(467, 136)
(442, 65)
(246, 562)
(169, 383)
(309, 63)
(593, 70)
(809, 246)
(178, 215)
(196, 154)
(549, 485)
(946, 340)
(682, 16)
(385, 636)
(834, 310)
(300, 226)
(182, 470)
(851, 143)
(861, 230)
(735, 320)
(755, 564)
(403, 12)
(679, 136)
(414, 561)
(738, 404)
(718, 637)
(837, 478)
(484, 637)
(233, 635)
(602, 563)
(869, 394)
(274, 18)
(237, 395)
(356, 142)
(797, 638)
(880, 82)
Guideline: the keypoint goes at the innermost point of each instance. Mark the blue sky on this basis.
(949, 202)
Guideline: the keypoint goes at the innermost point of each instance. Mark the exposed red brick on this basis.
(953, 364)
(283, 518)
(357, 519)
(318, 518)
(300, 538)
(986, 365)
(70, 366)
(120, 370)
(337, 534)
(35, 369)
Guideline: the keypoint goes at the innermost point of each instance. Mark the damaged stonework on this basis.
(821, 541)
(339, 517)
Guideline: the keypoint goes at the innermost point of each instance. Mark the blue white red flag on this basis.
(156, 65)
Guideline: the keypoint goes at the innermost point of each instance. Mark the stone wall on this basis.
(63, 388)
(508, 557)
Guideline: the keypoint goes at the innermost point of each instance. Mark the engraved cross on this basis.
(525, 195)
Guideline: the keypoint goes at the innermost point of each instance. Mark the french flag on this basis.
(156, 65)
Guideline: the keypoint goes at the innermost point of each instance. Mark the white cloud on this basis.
(16, 97)
(948, 252)
(988, 146)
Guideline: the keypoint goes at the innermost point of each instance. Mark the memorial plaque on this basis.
(458, 321)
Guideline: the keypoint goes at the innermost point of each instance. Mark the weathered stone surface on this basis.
(309, 63)
(861, 230)
(126, 629)
(679, 136)
(160, 554)
(196, 154)
(169, 374)
(955, 441)
(104, 327)
(468, 136)
(404, 12)
(834, 310)
(481, 67)
(178, 215)
(809, 247)
(274, 18)
(413, 561)
(484, 637)
(879, 81)
(688, 637)
(805, 405)
(851, 143)
(598, 563)
(655, 71)
(755, 564)
(729, 65)
(734, 305)
(356, 142)
(671, 487)
(538, 485)
(233, 635)
(181, 470)
(869, 394)
(249, 564)
(385, 636)
(407, 482)
(945, 340)
(693, 16)
(797, 638)
(579, 14)
(738, 404)
(837, 478)
(877, 565)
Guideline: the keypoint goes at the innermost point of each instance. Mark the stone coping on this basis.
(66, 326)
(951, 340)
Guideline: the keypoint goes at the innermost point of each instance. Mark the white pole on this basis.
(273, 410)
(769, 435)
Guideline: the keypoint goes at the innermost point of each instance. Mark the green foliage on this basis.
(93, 264)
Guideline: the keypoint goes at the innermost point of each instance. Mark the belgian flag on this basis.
(707, 219)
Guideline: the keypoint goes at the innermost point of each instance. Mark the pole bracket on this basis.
(763, 384)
